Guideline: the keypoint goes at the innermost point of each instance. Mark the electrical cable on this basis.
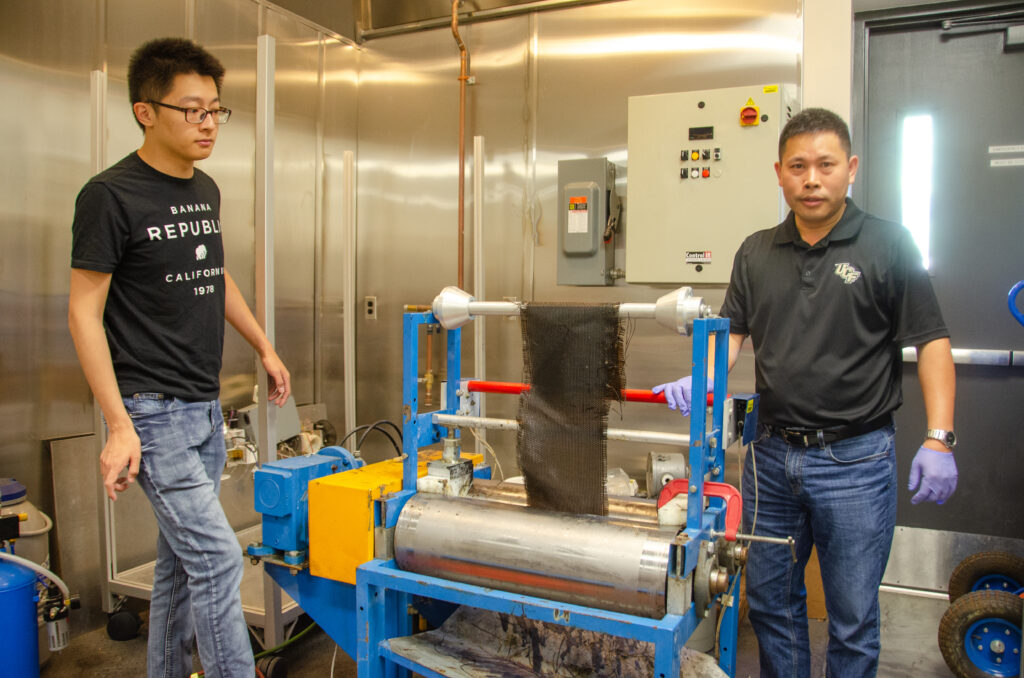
(753, 463)
(376, 426)
(483, 441)
(366, 428)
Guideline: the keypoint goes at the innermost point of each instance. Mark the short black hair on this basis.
(153, 67)
(813, 121)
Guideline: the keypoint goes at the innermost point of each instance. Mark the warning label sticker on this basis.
(698, 256)
(578, 222)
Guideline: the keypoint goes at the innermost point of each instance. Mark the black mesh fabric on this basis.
(572, 357)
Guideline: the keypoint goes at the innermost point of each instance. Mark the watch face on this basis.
(950, 439)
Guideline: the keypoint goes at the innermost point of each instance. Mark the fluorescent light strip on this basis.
(916, 164)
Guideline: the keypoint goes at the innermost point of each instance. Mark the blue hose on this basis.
(1012, 301)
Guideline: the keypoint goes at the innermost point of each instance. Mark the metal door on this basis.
(969, 78)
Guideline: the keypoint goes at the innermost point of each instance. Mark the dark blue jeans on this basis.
(840, 497)
(199, 560)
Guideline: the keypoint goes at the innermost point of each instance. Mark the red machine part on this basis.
(632, 395)
(733, 501)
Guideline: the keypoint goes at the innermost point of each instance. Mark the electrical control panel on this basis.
(588, 213)
(701, 179)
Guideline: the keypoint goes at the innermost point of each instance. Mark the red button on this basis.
(706, 172)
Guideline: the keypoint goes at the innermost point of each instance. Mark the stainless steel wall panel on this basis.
(341, 78)
(296, 144)
(408, 191)
(128, 24)
(45, 59)
(228, 28)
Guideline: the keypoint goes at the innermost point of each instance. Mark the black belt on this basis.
(823, 436)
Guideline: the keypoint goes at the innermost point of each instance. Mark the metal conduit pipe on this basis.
(463, 77)
(559, 556)
(628, 435)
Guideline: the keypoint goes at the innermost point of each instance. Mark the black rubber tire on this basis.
(123, 625)
(964, 612)
(273, 666)
(973, 568)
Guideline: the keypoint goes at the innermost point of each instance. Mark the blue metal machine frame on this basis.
(383, 592)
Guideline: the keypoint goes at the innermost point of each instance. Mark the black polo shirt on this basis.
(828, 322)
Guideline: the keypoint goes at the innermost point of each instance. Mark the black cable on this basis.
(371, 427)
(375, 426)
(391, 424)
(357, 429)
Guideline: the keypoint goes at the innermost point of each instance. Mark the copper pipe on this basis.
(463, 77)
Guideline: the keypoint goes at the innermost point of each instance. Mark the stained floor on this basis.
(909, 648)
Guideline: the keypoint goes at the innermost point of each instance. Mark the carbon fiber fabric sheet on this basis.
(572, 359)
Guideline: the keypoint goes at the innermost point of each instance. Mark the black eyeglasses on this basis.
(195, 114)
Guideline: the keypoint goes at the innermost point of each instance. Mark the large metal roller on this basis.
(607, 563)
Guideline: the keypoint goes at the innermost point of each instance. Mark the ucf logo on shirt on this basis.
(848, 272)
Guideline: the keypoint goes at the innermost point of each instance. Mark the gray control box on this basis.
(586, 234)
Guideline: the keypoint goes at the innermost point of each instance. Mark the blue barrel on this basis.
(18, 624)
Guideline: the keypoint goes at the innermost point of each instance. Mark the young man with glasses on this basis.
(149, 297)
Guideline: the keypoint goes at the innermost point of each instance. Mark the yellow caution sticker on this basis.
(768, 89)
(750, 102)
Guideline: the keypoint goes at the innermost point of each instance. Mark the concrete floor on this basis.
(909, 648)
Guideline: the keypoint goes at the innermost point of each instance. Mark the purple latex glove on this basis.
(936, 473)
(678, 393)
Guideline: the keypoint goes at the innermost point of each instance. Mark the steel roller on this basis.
(607, 563)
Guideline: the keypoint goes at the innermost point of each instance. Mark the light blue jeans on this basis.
(199, 562)
(840, 497)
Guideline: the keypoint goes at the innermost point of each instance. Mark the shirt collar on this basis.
(847, 228)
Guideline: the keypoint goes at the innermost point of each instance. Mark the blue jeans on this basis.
(840, 497)
(199, 561)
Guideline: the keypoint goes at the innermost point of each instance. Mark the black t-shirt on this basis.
(159, 236)
(828, 322)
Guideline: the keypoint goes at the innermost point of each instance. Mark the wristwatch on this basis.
(947, 438)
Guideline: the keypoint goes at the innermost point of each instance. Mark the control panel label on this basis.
(577, 222)
(698, 256)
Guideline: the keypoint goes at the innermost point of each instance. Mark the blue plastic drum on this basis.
(18, 624)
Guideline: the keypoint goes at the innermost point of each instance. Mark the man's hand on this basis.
(936, 473)
(678, 394)
(279, 380)
(122, 450)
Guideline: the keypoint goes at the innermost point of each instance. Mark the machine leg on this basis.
(370, 628)
(666, 653)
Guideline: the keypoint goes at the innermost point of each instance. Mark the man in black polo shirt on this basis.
(830, 297)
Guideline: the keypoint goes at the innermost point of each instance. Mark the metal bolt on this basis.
(713, 442)
(693, 488)
(997, 647)
(716, 470)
